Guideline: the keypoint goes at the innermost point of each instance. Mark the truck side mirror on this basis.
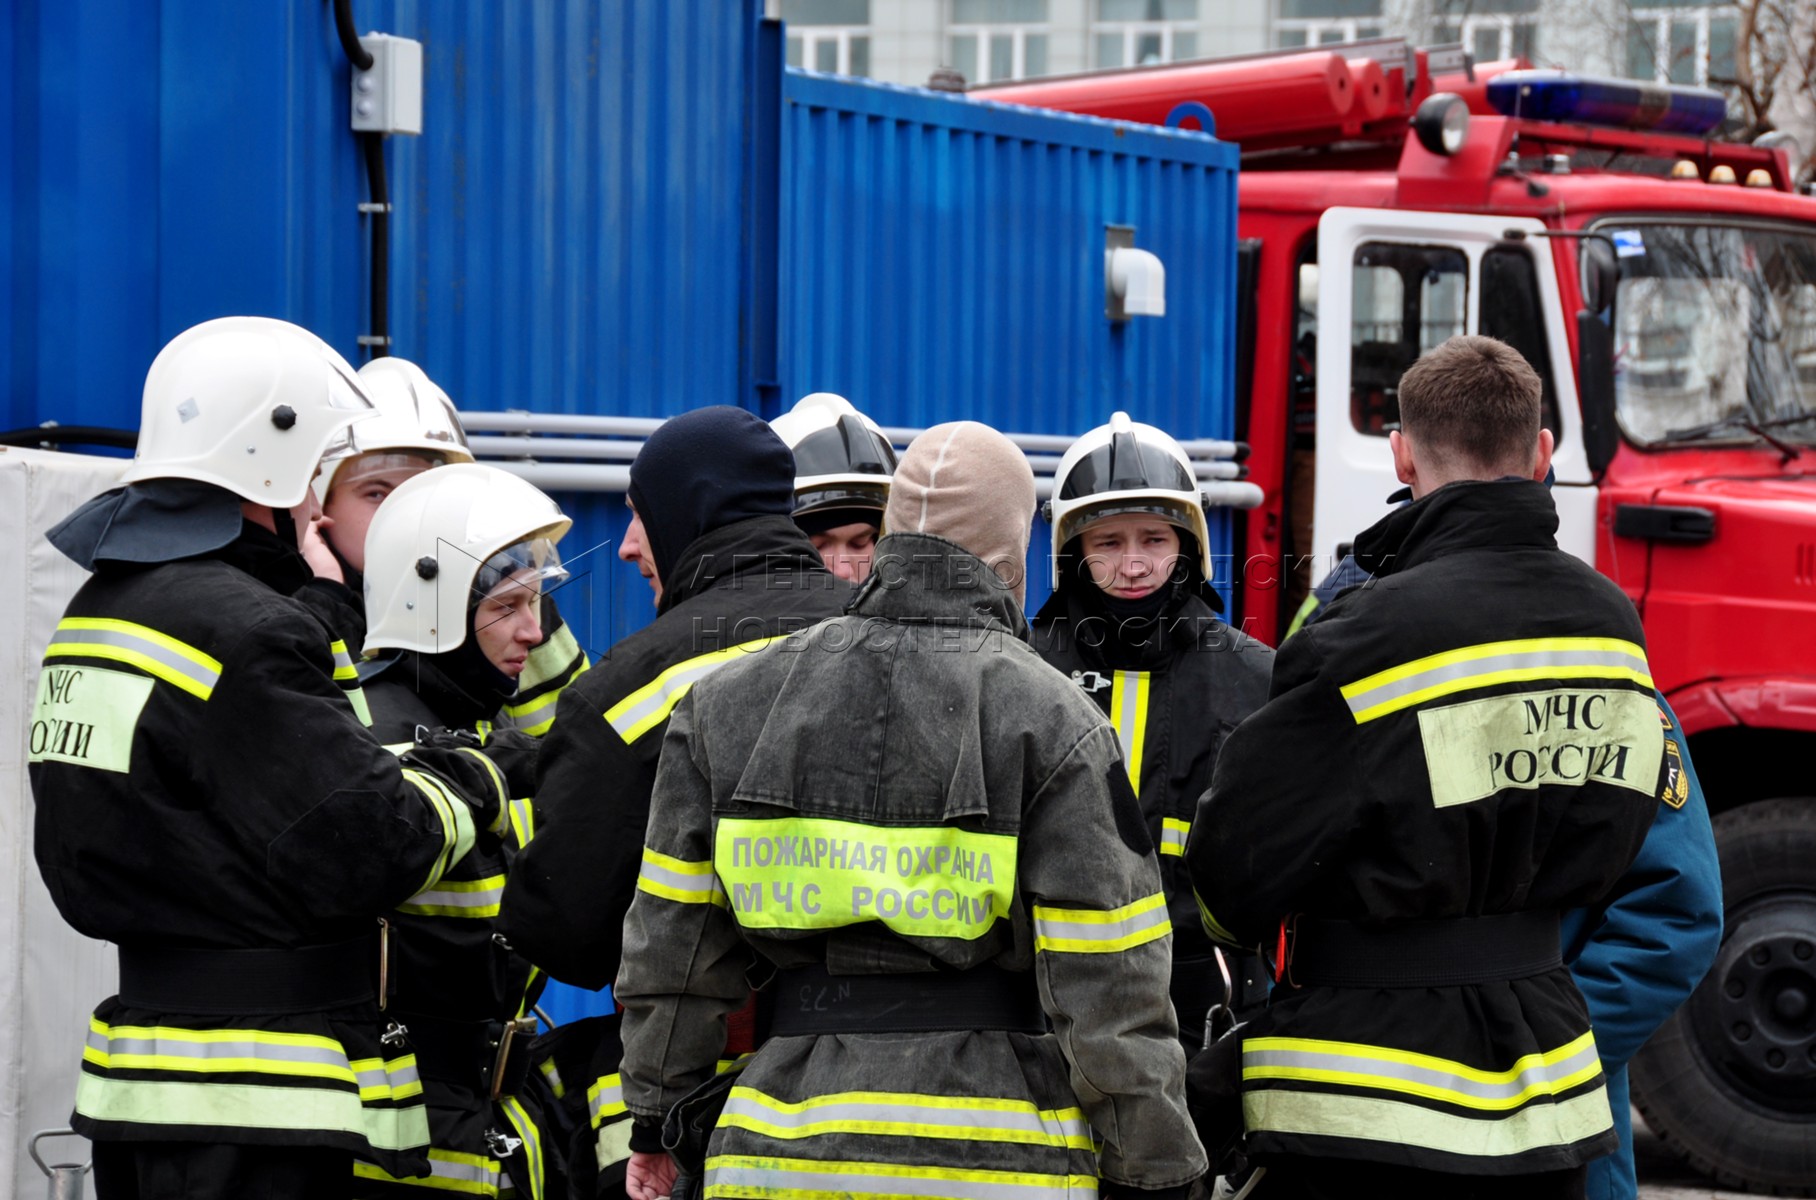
(1601, 274)
(1595, 389)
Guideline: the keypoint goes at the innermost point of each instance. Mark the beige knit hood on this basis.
(969, 484)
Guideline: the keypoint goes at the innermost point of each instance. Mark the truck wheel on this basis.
(1729, 1082)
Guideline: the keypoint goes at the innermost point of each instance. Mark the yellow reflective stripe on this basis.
(458, 898)
(1380, 1119)
(1129, 713)
(679, 880)
(532, 1142)
(605, 1098)
(523, 822)
(551, 1073)
(456, 823)
(1100, 931)
(1212, 925)
(650, 705)
(1357, 1065)
(1173, 833)
(1490, 664)
(157, 654)
(815, 1179)
(449, 1171)
(903, 1114)
(1306, 609)
(820, 873)
(504, 793)
(519, 713)
(214, 1051)
(343, 662)
(612, 1144)
(249, 1106)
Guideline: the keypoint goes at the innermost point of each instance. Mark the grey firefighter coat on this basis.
(904, 789)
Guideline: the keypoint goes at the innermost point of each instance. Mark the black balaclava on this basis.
(1129, 634)
(468, 668)
(703, 470)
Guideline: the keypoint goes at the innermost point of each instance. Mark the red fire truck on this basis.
(1663, 282)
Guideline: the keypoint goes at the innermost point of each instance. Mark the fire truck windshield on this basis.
(1715, 332)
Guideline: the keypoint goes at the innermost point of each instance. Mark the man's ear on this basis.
(1547, 444)
(1405, 470)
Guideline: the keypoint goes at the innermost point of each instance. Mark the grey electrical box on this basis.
(387, 96)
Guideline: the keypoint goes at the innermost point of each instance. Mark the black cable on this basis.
(380, 211)
(349, 36)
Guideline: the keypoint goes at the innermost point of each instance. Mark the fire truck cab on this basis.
(1663, 284)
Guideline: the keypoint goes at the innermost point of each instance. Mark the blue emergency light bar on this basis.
(1619, 103)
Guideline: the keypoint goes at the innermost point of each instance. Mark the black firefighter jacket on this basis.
(1172, 717)
(736, 587)
(203, 782)
(902, 790)
(1475, 733)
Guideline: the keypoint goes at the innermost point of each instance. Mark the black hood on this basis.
(704, 470)
(154, 521)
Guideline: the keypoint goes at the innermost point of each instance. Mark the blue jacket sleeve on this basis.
(1642, 951)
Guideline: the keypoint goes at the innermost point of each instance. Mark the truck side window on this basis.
(1511, 312)
(1405, 300)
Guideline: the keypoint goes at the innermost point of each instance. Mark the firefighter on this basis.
(415, 430)
(457, 561)
(1132, 623)
(842, 468)
(933, 837)
(1449, 758)
(208, 799)
(1638, 952)
(710, 493)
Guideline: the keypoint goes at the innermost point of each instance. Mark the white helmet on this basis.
(443, 540)
(1126, 467)
(249, 404)
(842, 459)
(416, 422)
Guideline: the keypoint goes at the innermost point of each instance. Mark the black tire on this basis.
(1729, 1082)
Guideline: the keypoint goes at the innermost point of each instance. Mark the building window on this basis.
(1679, 43)
(829, 35)
(1322, 22)
(1140, 33)
(1490, 31)
(994, 40)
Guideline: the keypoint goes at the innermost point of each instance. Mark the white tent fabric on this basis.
(50, 976)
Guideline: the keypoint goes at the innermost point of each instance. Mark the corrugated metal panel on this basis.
(570, 233)
(943, 257)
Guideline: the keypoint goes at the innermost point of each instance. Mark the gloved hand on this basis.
(511, 751)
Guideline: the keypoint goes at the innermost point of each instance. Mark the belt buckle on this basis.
(524, 1027)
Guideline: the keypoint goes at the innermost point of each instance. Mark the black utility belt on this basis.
(810, 1000)
(491, 1057)
(177, 979)
(1442, 953)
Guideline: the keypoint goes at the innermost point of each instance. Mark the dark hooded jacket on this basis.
(1174, 680)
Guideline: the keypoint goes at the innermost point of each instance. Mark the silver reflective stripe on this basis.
(1459, 670)
(398, 1075)
(727, 1176)
(1539, 1078)
(1048, 929)
(605, 1099)
(698, 888)
(925, 1121)
(650, 705)
(485, 1175)
(442, 896)
(1173, 834)
(343, 662)
(194, 672)
(206, 1051)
